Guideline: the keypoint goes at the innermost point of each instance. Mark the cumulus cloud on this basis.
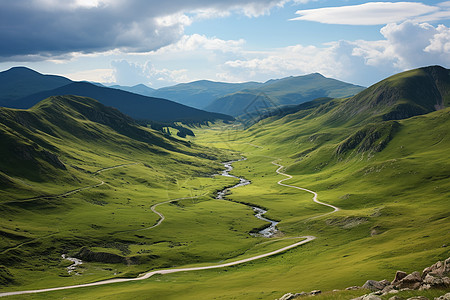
(95, 75)
(406, 45)
(201, 42)
(373, 13)
(32, 29)
(128, 73)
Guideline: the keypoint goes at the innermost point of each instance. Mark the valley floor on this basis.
(365, 227)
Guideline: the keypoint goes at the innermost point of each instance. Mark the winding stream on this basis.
(268, 231)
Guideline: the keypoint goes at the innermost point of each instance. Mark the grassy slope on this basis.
(107, 218)
(394, 201)
(395, 212)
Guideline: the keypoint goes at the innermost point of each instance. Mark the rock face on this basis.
(399, 276)
(374, 285)
(441, 268)
(411, 281)
(444, 297)
(433, 277)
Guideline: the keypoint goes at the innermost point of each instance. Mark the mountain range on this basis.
(244, 98)
(136, 106)
(286, 91)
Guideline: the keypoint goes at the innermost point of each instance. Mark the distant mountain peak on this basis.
(22, 69)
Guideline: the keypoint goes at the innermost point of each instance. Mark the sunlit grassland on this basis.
(394, 215)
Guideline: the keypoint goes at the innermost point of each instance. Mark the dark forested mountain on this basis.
(137, 106)
(19, 82)
(286, 91)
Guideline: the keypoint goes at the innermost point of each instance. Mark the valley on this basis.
(355, 188)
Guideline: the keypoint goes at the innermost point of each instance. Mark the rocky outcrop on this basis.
(444, 297)
(433, 277)
(290, 296)
(374, 285)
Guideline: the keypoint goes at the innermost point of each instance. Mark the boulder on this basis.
(436, 282)
(287, 296)
(399, 275)
(389, 289)
(424, 287)
(374, 285)
(301, 294)
(290, 296)
(411, 281)
(396, 298)
(443, 297)
(353, 288)
(370, 297)
(441, 268)
(315, 292)
(418, 298)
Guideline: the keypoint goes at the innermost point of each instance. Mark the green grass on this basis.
(394, 212)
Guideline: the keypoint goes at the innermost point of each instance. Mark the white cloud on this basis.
(406, 45)
(95, 75)
(440, 43)
(371, 13)
(201, 42)
(412, 44)
(128, 73)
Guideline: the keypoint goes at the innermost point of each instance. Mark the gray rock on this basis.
(287, 296)
(353, 288)
(367, 297)
(424, 287)
(396, 298)
(411, 281)
(441, 268)
(418, 298)
(388, 288)
(374, 285)
(399, 275)
(315, 292)
(301, 294)
(443, 297)
(370, 297)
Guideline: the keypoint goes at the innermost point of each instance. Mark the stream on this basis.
(270, 230)
(73, 266)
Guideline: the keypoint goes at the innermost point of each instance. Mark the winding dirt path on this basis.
(165, 271)
(161, 216)
(76, 190)
(306, 239)
(335, 208)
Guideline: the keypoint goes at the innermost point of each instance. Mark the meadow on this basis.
(394, 214)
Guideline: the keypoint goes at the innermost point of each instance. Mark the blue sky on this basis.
(162, 43)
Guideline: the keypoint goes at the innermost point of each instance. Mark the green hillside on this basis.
(401, 96)
(286, 91)
(78, 175)
(388, 175)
